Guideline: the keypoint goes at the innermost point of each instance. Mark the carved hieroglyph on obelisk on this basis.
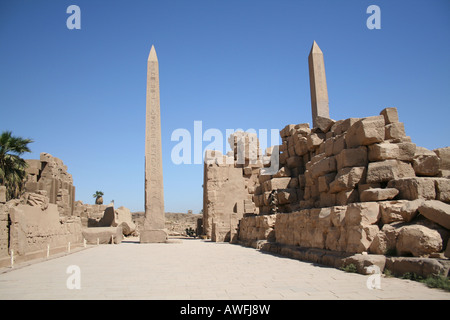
(318, 84)
(154, 192)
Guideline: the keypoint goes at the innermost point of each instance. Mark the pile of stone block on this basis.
(354, 186)
(353, 160)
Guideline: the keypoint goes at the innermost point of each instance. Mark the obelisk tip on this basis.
(152, 56)
(315, 48)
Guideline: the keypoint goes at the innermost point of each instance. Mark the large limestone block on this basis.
(395, 131)
(153, 236)
(420, 266)
(383, 151)
(418, 240)
(365, 132)
(425, 162)
(436, 211)
(444, 157)
(277, 183)
(384, 171)
(378, 194)
(323, 166)
(362, 214)
(359, 238)
(102, 235)
(407, 150)
(356, 157)
(390, 115)
(442, 189)
(400, 210)
(347, 179)
(414, 188)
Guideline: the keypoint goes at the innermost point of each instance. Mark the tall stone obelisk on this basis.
(318, 84)
(154, 192)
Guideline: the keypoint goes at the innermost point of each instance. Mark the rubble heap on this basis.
(357, 185)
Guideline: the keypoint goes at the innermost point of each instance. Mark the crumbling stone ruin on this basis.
(42, 220)
(49, 174)
(46, 219)
(354, 186)
(227, 181)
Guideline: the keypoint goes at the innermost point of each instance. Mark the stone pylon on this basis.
(318, 84)
(154, 223)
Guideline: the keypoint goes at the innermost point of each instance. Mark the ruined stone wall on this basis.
(31, 225)
(50, 174)
(33, 228)
(229, 181)
(355, 186)
(43, 216)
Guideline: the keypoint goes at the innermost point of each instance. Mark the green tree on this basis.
(12, 166)
(98, 195)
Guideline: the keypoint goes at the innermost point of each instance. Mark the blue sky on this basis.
(80, 94)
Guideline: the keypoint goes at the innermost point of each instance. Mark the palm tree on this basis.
(12, 166)
(98, 195)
